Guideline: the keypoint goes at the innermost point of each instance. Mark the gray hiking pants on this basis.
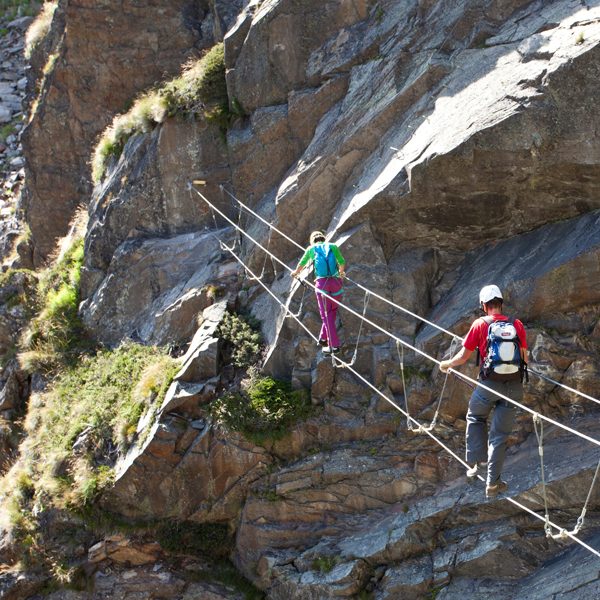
(482, 402)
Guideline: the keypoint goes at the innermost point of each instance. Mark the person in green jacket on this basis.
(329, 266)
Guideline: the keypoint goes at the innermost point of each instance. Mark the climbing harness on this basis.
(422, 428)
(562, 533)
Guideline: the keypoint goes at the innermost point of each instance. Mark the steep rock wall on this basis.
(430, 139)
(107, 54)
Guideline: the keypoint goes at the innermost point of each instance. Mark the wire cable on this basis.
(440, 443)
(406, 344)
(401, 308)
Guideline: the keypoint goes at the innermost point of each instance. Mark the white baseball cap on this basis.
(489, 292)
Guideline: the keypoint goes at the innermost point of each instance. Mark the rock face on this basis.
(80, 94)
(451, 532)
(442, 145)
(156, 288)
(544, 273)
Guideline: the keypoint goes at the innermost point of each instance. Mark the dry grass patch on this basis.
(40, 27)
(200, 92)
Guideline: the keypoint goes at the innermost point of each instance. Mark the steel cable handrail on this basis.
(407, 415)
(401, 308)
(406, 344)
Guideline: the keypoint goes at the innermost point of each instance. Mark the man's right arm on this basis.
(458, 360)
(470, 342)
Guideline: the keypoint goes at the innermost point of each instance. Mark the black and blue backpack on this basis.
(503, 360)
(324, 262)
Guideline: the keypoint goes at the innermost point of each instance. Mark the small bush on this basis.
(265, 410)
(242, 332)
(39, 28)
(325, 563)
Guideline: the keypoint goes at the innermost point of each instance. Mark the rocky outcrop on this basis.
(155, 288)
(413, 98)
(450, 531)
(89, 79)
(544, 274)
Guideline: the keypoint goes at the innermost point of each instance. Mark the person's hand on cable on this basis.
(445, 365)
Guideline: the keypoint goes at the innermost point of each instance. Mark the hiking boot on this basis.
(491, 491)
(335, 350)
(322, 342)
(479, 468)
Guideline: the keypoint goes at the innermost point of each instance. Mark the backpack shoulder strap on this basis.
(512, 319)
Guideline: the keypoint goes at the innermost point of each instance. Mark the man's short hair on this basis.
(494, 303)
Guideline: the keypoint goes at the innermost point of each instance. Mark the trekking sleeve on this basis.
(338, 255)
(308, 255)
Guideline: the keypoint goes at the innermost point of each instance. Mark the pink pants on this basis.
(328, 307)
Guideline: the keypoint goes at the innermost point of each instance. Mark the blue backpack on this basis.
(503, 356)
(325, 263)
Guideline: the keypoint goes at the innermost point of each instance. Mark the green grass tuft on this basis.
(57, 330)
(325, 563)
(265, 410)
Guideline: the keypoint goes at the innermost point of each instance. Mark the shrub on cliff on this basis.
(57, 330)
(264, 409)
(244, 337)
(87, 417)
(200, 91)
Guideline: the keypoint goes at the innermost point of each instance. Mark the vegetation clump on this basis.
(209, 541)
(77, 429)
(57, 332)
(39, 28)
(200, 92)
(263, 410)
(325, 563)
(214, 543)
(244, 337)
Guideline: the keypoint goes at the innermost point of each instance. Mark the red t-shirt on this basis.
(477, 335)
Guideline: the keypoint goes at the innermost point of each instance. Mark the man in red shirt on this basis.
(483, 452)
